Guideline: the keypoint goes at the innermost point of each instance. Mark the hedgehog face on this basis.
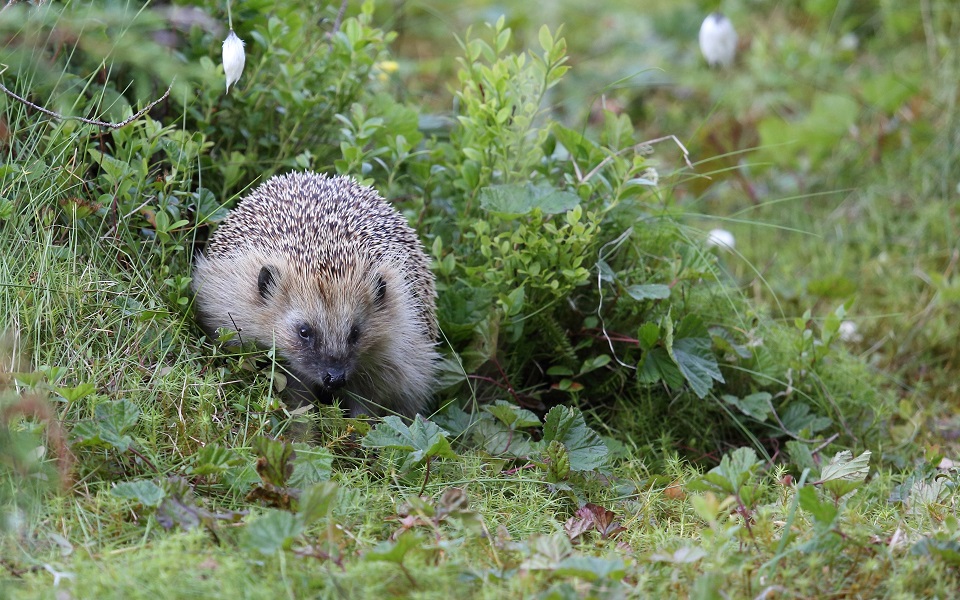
(326, 324)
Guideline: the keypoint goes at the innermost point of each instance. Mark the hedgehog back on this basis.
(326, 226)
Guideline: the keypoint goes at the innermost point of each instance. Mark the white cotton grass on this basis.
(718, 40)
(848, 332)
(721, 238)
(233, 58)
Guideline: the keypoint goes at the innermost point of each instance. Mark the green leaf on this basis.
(756, 406)
(650, 291)
(275, 464)
(797, 419)
(591, 568)
(454, 420)
(657, 365)
(684, 555)
(207, 208)
(311, 465)
(648, 335)
(422, 440)
(734, 471)
(947, 550)
(697, 363)
(72, 394)
(212, 459)
(594, 363)
(117, 417)
(843, 473)
(394, 552)
(275, 530)
(546, 40)
(824, 512)
(317, 502)
(558, 461)
(109, 425)
(801, 456)
(145, 492)
(585, 448)
(514, 199)
(497, 439)
(512, 415)
(582, 149)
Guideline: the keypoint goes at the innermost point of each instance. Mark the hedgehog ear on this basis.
(266, 280)
(380, 290)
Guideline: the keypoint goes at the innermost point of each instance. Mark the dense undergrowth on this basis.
(624, 408)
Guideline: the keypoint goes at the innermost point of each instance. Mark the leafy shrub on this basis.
(564, 271)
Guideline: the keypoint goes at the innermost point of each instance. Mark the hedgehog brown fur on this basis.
(333, 276)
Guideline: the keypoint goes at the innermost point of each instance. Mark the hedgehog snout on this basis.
(333, 378)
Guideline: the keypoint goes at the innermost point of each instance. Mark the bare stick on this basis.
(339, 20)
(56, 115)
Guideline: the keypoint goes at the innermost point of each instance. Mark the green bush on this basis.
(564, 271)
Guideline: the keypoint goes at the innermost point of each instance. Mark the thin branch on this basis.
(339, 20)
(56, 115)
(635, 148)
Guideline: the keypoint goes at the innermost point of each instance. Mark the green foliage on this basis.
(421, 441)
(109, 427)
(575, 297)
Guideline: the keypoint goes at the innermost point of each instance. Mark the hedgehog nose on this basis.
(334, 379)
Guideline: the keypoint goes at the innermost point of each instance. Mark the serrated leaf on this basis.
(756, 406)
(311, 465)
(424, 439)
(735, 469)
(86, 432)
(697, 364)
(497, 439)
(546, 552)
(558, 460)
(275, 462)
(657, 365)
(72, 394)
(121, 443)
(585, 448)
(145, 492)
(455, 421)
(118, 416)
(273, 531)
(798, 418)
(691, 326)
(512, 415)
(649, 291)
(110, 423)
(213, 459)
(843, 473)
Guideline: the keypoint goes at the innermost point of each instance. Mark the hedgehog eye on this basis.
(306, 332)
(354, 335)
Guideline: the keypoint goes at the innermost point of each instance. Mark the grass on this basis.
(866, 220)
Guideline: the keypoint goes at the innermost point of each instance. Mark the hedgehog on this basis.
(333, 277)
